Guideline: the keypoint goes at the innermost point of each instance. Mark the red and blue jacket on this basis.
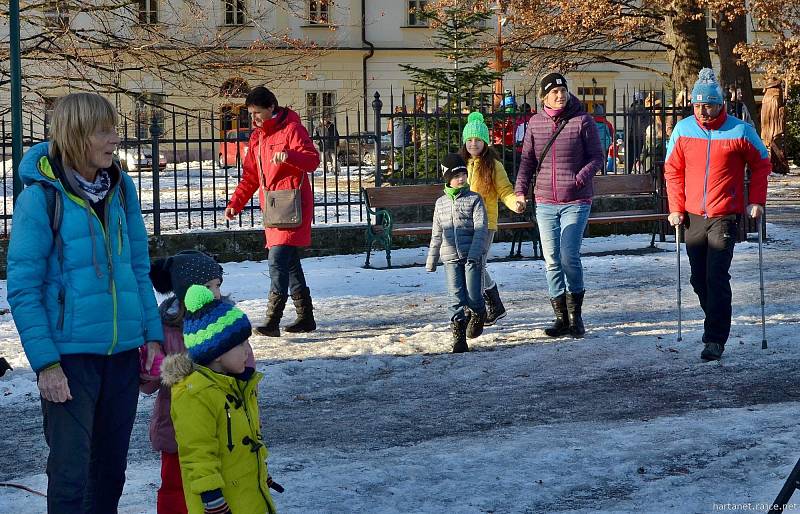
(704, 168)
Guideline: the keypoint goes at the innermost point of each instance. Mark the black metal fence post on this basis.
(377, 105)
(155, 132)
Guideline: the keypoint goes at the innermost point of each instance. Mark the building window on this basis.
(49, 103)
(319, 104)
(234, 12)
(711, 20)
(56, 14)
(592, 97)
(415, 8)
(147, 106)
(148, 12)
(319, 12)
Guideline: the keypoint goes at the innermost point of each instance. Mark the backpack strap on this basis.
(55, 213)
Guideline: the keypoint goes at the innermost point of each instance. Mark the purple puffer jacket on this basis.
(162, 431)
(573, 159)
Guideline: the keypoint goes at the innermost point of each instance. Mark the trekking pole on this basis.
(761, 284)
(678, 255)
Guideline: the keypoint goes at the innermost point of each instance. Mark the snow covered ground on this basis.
(371, 413)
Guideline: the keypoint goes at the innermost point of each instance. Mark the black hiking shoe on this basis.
(271, 326)
(305, 313)
(459, 329)
(495, 309)
(712, 352)
(560, 326)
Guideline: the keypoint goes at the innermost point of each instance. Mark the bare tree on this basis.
(187, 47)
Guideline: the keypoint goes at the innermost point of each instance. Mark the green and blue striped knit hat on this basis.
(211, 327)
(475, 128)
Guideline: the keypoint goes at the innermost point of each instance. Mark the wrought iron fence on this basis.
(190, 163)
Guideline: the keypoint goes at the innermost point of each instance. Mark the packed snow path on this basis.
(372, 414)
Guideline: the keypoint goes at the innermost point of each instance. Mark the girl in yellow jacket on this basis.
(215, 411)
(487, 177)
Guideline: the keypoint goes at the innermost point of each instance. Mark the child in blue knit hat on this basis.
(215, 411)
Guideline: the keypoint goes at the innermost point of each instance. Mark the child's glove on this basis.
(214, 502)
(155, 369)
(274, 485)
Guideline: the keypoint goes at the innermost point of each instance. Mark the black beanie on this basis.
(552, 80)
(182, 270)
(451, 165)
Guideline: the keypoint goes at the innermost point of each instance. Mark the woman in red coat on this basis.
(280, 157)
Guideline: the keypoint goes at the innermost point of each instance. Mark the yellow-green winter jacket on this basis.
(501, 189)
(219, 436)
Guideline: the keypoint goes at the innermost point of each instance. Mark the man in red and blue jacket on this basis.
(705, 171)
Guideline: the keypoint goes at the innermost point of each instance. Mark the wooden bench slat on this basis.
(623, 216)
(622, 185)
(403, 196)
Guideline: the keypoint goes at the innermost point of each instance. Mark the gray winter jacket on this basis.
(460, 229)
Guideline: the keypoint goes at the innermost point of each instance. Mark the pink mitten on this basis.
(155, 369)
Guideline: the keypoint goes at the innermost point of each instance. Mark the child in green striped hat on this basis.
(215, 411)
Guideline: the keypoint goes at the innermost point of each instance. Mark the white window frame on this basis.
(145, 105)
(414, 7)
(319, 12)
(234, 13)
(148, 12)
(319, 108)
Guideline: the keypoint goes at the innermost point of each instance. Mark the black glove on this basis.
(274, 485)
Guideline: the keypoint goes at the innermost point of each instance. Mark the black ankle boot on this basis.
(305, 313)
(494, 306)
(560, 326)
(271, 326)
(475, 324)
(459, 329)
(574, 305)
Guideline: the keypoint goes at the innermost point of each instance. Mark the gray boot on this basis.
(305, 313)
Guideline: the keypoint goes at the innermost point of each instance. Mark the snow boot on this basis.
(574, 305)
(494, 306)
(305, 313)
(712, 352)
(560, 326)
(475, 324)
(271, 326)
(459, 329)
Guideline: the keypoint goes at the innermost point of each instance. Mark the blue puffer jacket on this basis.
(98, 299)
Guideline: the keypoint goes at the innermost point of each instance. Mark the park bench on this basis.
(381, 225)
(644, 186)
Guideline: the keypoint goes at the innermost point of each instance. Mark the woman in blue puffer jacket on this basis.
(82, 301)
(563, 191)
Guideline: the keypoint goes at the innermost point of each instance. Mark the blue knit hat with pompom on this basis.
(475, 128)
(707, 90)
(211, 327)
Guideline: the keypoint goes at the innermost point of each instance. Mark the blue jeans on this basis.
(464, 284)
(285, 270)
(561, 229)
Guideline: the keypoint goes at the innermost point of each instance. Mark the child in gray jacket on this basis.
(460, 235)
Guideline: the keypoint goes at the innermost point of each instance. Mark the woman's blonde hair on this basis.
(76, 117)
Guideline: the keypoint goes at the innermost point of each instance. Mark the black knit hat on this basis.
(451, 165)
(552, 80)
(183, 269)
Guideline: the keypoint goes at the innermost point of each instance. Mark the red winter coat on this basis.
(282, 133)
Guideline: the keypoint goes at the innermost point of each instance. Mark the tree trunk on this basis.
(689, 41)
(734, 72)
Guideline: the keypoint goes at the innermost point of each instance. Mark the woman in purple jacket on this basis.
(563, 193)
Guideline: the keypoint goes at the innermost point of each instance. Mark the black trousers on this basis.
(709, 244)
(89, 435)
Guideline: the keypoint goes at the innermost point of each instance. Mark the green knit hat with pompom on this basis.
(475, 128)
(211, 327)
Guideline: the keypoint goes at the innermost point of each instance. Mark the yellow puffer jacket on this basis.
(501, 190)
(219, 436)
